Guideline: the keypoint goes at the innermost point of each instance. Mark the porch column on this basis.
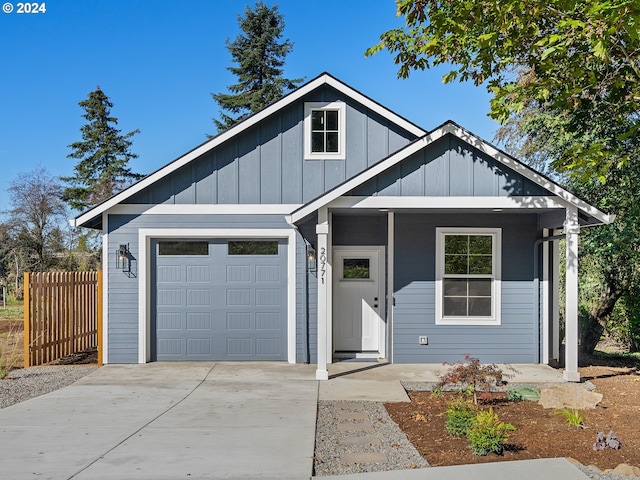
(571, 229)
(322, 230)
(555, 296)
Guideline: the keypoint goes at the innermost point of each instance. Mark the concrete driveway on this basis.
(167, 421)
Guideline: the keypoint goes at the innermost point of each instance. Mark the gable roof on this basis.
(90, 217)
(456, 130)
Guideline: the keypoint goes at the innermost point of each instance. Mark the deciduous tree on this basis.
(580, 58)
(35, 218)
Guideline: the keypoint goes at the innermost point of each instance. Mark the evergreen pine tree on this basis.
(259, 56)
(104, 154)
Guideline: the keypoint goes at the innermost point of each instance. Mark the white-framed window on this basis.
(468, 276)
(324, 130)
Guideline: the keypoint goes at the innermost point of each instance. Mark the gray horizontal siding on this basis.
(449, 167)
(515, 340)
(123, 289)
(264, 165)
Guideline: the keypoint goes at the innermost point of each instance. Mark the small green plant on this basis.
(460, 414)
(436, 392)
(471, 376)
(488, 434)
(573, 417)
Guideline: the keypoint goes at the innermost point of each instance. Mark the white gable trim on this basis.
(324, 79)
(472, 140)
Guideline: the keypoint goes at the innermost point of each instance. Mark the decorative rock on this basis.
(629, 470)
(573, 461)
(568, 395)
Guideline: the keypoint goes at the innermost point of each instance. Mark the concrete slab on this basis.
(381, 382)
(353, 388)
(168, 420)
(522, 470)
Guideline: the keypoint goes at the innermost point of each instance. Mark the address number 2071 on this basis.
(31, 7)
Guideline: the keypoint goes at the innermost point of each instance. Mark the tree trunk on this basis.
(593, 326)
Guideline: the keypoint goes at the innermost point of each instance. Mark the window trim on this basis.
(341, 107)
(496, 284)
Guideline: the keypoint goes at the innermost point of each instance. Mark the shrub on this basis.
(473, 376)
(460, 414)
(488, 434)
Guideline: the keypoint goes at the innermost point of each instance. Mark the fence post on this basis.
(27, 327)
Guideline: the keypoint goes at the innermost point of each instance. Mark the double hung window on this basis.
(468, 276)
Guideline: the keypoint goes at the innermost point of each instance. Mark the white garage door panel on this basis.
(220, 306)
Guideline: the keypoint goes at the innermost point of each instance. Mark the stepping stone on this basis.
(352, 416)
(363, 458)
(355, 427)
(352, 406)
(359, 441)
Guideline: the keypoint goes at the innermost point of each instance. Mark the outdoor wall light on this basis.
(123, 261)
(311, 258)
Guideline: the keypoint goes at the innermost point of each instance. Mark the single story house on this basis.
(326, 226)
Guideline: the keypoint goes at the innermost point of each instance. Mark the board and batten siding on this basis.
(265, 164)
(123, 288)
(449, 167)
(514, 341)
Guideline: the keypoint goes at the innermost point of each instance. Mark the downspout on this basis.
(536, 283)
(306, 353)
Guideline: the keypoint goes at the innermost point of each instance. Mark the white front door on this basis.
(358, 299)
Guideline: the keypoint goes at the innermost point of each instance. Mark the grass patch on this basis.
(13, 312)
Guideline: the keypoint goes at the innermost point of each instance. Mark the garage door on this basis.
(220, 300)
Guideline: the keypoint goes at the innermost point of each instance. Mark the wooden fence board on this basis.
(62, 315)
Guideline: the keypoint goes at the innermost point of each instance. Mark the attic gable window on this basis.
(324, 130)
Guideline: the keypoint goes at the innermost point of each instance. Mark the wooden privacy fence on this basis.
(62, 315)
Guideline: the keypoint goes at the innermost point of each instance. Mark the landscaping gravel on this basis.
(26, 383)
(400, 453)
(599, 475)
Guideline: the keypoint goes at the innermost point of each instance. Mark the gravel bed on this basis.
(599, 475)
(400, 453)
(26, 383)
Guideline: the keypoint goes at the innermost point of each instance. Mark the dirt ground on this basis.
(12, 346)
(540, 433)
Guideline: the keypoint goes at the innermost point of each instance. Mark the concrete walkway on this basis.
(210, 420)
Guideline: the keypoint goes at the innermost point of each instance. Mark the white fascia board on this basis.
(366, 175)
(374, 106)
(191, 209)
(527, 172)
(411, 202)
(239, 128)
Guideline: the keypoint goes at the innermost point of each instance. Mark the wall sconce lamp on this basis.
(311, 259)
(123, 260)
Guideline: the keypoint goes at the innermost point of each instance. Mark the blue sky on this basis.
(159, 61)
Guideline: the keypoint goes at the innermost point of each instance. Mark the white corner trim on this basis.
(145, 235)
(105, 288)
(201, 209)
(496, 318)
